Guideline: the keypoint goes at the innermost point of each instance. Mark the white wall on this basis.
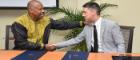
(127, 13)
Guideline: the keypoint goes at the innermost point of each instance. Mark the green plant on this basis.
(75, 15)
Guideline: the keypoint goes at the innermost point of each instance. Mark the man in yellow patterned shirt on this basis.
(31, 31)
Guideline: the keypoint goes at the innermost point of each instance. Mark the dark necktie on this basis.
(95, 49)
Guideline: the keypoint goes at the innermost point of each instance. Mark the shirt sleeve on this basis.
(63, 25)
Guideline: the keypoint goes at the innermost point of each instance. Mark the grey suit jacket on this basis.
(111, 37)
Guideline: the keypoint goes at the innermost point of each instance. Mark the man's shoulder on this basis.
(108, 21)
(21, 18)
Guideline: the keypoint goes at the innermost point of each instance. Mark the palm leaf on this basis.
(60, 10)
(104, 6)
(73, 15)
(92, 0)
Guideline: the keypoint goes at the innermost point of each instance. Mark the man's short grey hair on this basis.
(30, 3)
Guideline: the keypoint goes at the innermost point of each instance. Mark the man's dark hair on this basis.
(93, 5)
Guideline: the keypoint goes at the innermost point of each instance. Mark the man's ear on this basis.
(30, 9)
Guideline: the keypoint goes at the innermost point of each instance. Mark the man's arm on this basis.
(21, 42)
(119, 40)
(63, 25)
(70, 42)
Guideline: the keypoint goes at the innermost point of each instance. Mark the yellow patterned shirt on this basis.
(35, 30)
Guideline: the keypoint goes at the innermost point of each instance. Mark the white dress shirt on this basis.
(98, 27)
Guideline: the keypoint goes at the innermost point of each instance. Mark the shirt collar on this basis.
(41, 20)
(98, 22)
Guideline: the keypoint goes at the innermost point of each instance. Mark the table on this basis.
(55, 55)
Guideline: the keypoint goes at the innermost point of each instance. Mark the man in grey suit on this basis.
(101, 35)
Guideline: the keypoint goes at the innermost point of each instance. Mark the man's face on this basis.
(90, 15)
(37, 11)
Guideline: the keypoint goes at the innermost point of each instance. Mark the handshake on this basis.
(50, 47)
